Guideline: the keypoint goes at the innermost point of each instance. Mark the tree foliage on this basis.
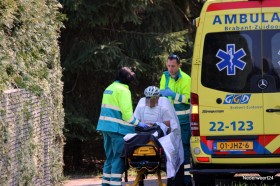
(102, 35)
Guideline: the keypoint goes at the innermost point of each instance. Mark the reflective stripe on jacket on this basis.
(181, 87)
(116, 113)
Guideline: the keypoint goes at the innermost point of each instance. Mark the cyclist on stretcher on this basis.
(153, 114)
(158, 111)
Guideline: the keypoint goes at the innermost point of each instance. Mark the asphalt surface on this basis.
(97, 181)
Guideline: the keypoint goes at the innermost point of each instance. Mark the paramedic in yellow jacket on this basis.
(175, 84)
(115, 121)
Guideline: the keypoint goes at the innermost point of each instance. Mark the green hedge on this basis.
(30, 59)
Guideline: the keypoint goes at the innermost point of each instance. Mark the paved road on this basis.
(148, 182)
(97, 181)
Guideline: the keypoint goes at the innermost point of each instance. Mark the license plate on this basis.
(228, 146)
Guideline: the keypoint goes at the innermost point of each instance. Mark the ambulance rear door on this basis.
(270, 81)
(230, 109)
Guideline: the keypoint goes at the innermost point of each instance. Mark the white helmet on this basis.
(151, 91)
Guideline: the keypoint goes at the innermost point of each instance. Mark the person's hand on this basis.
(168, 92)
(143, 125)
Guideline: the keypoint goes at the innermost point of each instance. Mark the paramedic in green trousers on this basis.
(115, 121)
(175, 85)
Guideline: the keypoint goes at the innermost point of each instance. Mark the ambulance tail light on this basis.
(194, 115)
(203, 159)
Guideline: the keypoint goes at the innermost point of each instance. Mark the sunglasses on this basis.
(152, 97)
(174, 56)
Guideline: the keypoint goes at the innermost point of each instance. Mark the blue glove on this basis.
(168, 92)
(143, 125)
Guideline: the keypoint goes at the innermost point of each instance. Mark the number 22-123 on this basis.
(234, 126)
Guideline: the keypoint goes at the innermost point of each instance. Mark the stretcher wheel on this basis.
(141, 183)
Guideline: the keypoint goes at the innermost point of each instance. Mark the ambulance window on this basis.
(271, 59)
(275, 50)
(275, 43)
(230, 59)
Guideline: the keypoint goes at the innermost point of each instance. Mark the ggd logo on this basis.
(237, 98)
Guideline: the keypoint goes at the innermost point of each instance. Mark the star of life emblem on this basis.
(231, 59)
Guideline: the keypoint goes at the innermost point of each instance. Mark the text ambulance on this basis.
(235, 93)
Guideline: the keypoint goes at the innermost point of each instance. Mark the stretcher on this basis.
(145, 155)
(149, 155)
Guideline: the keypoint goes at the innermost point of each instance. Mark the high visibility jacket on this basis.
(116, 110)
(181, 87)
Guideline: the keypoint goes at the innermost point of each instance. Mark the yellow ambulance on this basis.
(235, 91)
